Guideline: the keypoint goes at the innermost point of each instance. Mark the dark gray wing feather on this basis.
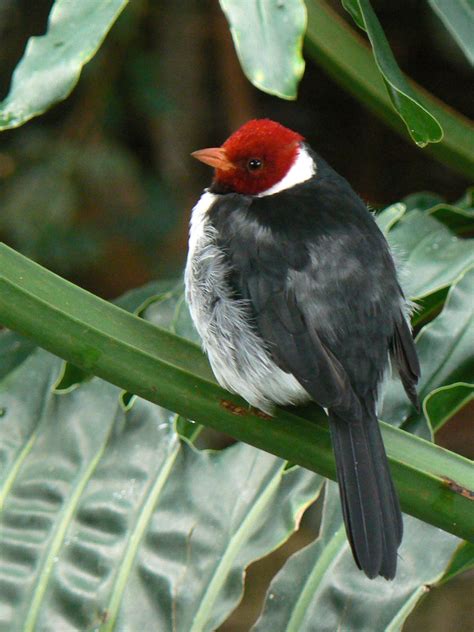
(406, 359)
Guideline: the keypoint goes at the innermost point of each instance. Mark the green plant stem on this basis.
(103, 339)
(345, 55)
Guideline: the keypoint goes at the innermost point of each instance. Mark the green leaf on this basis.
(170, 311)
(337, 48)
(458, 217)
(421, 124)
(321, 582)
(14, 349)
(135, 301)
(458, 17)
(463, 560)
(107, 517)
(166, 369)
(422, 201)
(268, 38)
(467, 200)
(433, 256)
(52, 63)
(429, 306)
(444, 402)
(387, 218)
(460, 220)
(445, 350)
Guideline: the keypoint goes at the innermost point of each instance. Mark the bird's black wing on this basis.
(293, 342)
(406, 358)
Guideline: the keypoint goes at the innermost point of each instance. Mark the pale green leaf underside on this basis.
(432, 256)
(268, 38)
(105, 509)
(52, 63)
(387, 218)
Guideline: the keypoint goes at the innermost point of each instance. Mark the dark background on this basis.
(100, 188)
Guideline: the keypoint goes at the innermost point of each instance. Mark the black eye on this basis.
(254, 164)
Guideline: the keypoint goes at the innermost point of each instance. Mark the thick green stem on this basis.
(99, 337)
(345, 55)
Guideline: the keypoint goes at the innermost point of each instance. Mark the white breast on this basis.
(236, 352)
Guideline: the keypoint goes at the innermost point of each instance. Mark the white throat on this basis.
(301, 170)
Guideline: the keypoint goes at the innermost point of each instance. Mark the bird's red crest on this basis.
(256, 157)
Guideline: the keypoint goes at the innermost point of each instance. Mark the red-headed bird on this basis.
(293, 290)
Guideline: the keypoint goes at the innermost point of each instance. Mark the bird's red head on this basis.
(256, 157)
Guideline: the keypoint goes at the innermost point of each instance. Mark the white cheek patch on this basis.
(301, 170)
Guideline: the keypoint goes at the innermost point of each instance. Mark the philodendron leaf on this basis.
(320, 588)
(458, 18)
(430, 256)
(433, 256)
(387, 218)
(268, 38)
(445, 350)
(422, 200)
(467, 200)
(459, 217)
(14, 349)
(421, 124)
(463, 560)
(444, 402)
(138, 299)
(52, 63)
(109, 522)
(461, 220)
(170, 311)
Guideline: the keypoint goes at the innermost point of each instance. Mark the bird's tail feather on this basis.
(369, 502)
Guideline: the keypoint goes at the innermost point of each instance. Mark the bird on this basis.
(294, 292)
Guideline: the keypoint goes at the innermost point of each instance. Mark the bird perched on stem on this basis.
(294, 292)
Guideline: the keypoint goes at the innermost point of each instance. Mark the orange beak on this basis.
(215, 157)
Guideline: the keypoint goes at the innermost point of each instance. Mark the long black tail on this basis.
(369, 502)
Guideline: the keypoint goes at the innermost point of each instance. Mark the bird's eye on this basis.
(254, 164)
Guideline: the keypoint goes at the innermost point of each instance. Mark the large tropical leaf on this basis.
(268, 38)
(432, 256)
(107, 517)
(445, 351)
(320, 590)
(52, 63)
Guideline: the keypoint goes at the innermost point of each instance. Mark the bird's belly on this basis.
(237, 353)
